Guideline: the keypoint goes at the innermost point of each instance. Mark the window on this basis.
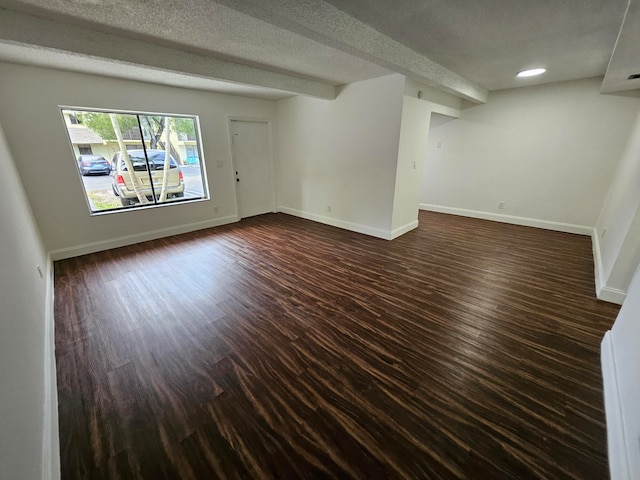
(137, 159)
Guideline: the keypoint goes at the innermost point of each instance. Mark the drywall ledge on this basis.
(78, 250)
(616, 444)
(524, 221)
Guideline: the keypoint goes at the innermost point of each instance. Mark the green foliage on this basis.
(184, 125)
(101, 123)
(102, 200)
(152, 127)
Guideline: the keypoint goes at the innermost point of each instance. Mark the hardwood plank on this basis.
(282, 348)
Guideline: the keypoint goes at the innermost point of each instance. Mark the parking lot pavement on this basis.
(97, 182)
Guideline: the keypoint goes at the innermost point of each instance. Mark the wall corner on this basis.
(50, 431)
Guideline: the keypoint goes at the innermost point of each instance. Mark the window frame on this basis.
(206, 196)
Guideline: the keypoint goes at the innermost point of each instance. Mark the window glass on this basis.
(137, 159)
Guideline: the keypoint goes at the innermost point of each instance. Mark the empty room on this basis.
(319, 239)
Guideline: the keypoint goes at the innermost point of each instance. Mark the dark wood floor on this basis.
(282, 348)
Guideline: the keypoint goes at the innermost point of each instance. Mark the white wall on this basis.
(617, 237)
(620, 360)
(549, 152)
(412, 152)
(28, 417)
(29, 100)
(343, 154)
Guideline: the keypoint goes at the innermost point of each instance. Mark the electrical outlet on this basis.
(215, 209)
(501, 205)
(328, 208)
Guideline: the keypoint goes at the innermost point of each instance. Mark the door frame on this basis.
(272, 184)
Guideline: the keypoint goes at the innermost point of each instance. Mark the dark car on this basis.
(93, 164)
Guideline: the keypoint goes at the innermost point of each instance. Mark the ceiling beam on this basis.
(624, 60)
(26, 30)
(326, 24)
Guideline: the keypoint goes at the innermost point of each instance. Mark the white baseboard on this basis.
(86, 248)
(50, 435)
(616, 438)
(396, 232)
(612, 295)
(604, 293)
(334, 222)
(499, 217)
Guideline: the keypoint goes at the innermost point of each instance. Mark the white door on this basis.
(250, 148)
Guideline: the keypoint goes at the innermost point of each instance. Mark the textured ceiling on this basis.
(489, 41)
(208, 27)
(283, 47)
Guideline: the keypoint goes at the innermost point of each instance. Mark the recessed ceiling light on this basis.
(531, 73)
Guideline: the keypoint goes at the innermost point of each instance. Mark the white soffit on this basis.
(44, 57)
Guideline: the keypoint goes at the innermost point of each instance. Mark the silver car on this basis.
(149, 179)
